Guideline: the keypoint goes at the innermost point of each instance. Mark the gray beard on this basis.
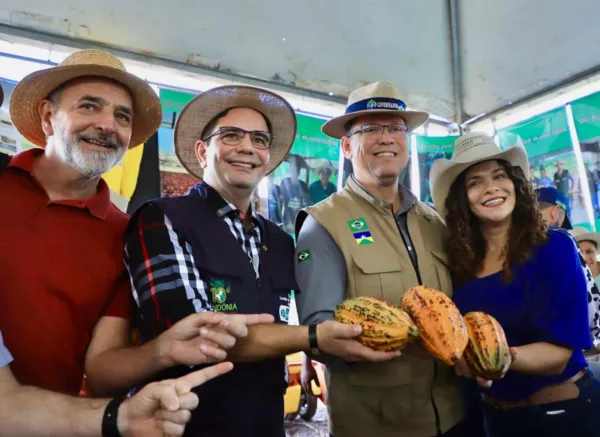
(90, 163)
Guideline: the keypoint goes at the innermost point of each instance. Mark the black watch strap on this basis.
(312, 339)
(109, 421)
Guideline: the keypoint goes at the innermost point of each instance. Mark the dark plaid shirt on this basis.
(163, 273)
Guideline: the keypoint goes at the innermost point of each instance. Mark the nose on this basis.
(106, 122)
(386, 138)
(245, 146)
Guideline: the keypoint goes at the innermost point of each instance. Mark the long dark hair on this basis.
(467, 248)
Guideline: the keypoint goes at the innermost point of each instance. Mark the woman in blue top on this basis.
(506, 263)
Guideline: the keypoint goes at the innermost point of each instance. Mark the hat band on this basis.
(377, 103)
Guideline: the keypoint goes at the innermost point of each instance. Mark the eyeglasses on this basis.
(375, 131)
(232, 136)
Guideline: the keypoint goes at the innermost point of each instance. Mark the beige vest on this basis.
(391, 398)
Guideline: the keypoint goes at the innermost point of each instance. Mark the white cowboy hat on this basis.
(583, 234)
(38, 85)
(376, 98)
(198, 113)
(469, 149)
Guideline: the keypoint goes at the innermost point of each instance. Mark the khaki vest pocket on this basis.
(442, 263)
(378, 275)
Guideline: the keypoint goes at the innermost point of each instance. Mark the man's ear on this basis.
(201, 149)
(46, 110)
(347, 147)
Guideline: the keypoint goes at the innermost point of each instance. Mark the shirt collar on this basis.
(408, 199)
(222, 206)
(98, 205)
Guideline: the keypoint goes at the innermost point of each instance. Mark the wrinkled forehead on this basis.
(105, 88)
(383, 119)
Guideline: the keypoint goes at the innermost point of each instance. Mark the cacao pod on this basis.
(442, 331)
(385, 327)
(487, 353)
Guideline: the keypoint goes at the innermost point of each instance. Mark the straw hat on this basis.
(469, 149)
(583, 234)
(375, 98)
(198, 113)
(40, 84)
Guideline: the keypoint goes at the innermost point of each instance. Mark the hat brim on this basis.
(444, 172)
(198, 113)
(566, 224)
(591, 236)
(336, 127)
(37, 86)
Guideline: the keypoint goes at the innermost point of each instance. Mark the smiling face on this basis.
(241, 166)
(88, 123)
(490, 192)
(377, 159)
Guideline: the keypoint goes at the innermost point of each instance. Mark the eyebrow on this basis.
(496, 171)
(103, 102)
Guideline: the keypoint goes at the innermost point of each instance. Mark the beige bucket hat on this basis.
(38, 85)
(198, 113)
(582, 234)
(376, 98)
(469, 149)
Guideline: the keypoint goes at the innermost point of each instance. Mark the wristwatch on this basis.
(312, 339)
(109, 420)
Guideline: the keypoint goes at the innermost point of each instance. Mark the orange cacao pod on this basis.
(442, 331)
(487, 353)
(385, 327)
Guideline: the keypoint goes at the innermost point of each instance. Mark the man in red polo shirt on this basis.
(64, 294)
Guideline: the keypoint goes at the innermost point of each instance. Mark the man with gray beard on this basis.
(64, 294)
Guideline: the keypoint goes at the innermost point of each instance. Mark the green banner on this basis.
(541, 135)
(428, 150)
(586, 115)
(174, 101)
(307, 176)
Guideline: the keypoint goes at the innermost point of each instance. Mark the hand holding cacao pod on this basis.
(385, 327)
(487, 354)
(442, 331)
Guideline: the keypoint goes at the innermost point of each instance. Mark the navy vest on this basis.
(233, 287)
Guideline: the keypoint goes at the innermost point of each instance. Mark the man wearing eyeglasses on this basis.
(374, 238)
(210, 251)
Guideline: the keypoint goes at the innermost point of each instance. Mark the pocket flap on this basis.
(441, 256)
(375, 263)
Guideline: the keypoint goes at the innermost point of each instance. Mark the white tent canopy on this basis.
(501, 53)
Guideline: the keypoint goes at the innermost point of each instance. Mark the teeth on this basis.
(241, 164)
(384, 154)
(493, 202)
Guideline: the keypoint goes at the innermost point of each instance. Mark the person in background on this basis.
(506, 263)
(588, 243)
(533, 179)
(159, 409)
(563, 181)
(593, 187)
(323, 188)
(293, 193)
(545, 181)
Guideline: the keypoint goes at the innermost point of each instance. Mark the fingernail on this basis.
(203, 331)
(203, 348)
(225, 323)
(357, 329)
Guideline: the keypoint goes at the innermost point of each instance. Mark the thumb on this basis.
(513, 353)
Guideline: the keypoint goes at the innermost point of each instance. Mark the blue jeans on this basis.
(576, 417)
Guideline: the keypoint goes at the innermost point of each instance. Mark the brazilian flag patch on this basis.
(304, 256)
(363, 238)
(358, 225)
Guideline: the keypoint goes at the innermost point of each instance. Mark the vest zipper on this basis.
(415, 264)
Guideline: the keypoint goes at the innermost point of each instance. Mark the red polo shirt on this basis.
(61, 269)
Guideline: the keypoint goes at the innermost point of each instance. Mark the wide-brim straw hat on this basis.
(469, 149)
(198, 113)
(38, 85)
(376, 98)
(583, 234)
